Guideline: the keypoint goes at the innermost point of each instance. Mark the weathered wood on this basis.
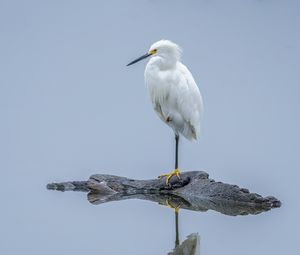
(194, 191)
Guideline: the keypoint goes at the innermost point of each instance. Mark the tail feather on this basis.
(190, 132)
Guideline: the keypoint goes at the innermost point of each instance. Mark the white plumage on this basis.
(174, 93)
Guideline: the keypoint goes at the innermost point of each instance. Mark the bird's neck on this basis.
(163, 63)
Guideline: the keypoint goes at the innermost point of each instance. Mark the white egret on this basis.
(174, 93)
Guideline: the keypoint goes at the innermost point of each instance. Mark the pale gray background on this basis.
(70, 107)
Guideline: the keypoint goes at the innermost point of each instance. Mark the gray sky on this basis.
(70, 108)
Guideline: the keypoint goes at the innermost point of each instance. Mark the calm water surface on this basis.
(70, 108)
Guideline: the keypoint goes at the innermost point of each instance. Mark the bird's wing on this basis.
(158, 110)
(189, 101)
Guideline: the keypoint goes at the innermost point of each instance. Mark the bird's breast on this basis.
(159, 85)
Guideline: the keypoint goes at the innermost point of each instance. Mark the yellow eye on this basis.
(153, 51)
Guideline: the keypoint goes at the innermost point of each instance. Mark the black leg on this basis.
(176, 150)
(176, 229)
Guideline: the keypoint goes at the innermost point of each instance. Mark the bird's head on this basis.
(165, 49)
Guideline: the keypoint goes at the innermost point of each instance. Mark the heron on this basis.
(174, 93)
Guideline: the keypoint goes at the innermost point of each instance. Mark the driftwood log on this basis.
(194, 191)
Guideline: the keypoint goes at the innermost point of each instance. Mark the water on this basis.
(70, 108)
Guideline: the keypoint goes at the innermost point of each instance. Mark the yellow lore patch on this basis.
(151, 52)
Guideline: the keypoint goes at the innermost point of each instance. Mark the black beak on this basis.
(139, 59)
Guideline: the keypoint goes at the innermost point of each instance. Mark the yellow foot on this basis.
(175, 172)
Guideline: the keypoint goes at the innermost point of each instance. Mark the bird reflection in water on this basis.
(191, 245)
